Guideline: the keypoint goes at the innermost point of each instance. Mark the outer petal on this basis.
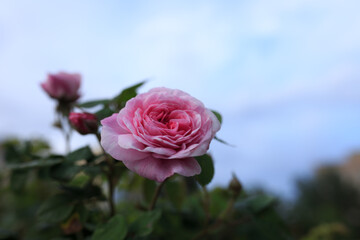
(216, 124)
(110, 134)
(160, 169)
(46, 87)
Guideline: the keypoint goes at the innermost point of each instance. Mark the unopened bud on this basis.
(84, 123)
(235, 186)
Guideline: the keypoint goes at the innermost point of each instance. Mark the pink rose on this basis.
(159, 132)
(62, 86)
(84, 123)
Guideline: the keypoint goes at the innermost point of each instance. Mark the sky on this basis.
(284, 74)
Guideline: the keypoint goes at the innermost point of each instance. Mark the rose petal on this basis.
(110, 134)
(160, 169)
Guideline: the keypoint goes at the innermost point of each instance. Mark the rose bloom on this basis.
(62, 86)
(84, 123)
(159, 132)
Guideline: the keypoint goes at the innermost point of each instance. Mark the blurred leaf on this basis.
(144, 224)
(82, 211)
(126, 95)
(80, 193)
(34, 164)
(207, 169)
(80, 180)
(148, 188)
(56, 209)
(104, 113)
(218, 115)
(83, 153)
(92, 171)
(259, 203)
(118, 171)
(176, 192)
(64, 171)
(114, 229)
(5, 234)
(94, 103)
(18, 180)
(219, 198)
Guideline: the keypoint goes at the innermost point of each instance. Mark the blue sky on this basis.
(284, 74)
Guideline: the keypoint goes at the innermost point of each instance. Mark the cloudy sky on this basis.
(284, 74)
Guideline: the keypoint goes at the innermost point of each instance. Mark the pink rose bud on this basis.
(84, 123)
(62, 86)
(158, 133)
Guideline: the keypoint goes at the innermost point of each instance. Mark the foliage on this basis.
(75, 185)
(327, 207)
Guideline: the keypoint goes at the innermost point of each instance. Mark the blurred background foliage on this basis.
(47, 196)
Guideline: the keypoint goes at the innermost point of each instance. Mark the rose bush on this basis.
(159, 132)
(62, 86)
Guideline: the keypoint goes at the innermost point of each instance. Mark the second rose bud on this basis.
(84, 123)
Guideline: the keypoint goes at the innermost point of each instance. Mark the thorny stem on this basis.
(110, 176)
(156, 195)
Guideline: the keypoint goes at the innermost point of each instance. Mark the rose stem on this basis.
(206, 204)
(156, 196)
(109, 175)
(64, 121)
(67, 142)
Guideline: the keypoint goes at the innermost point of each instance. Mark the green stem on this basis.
(228, 209)
(110, 177)
(67, 141)
(206, 205)
(111, 186)
(156, 196)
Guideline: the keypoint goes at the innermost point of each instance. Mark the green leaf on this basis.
(18, 180)
(83, 153)
(115, 229)
(86, 192)
(145, 223)
(104, 113)
(65, 171)
(56, 209)
(207, 169)
(223, 142)
(92, 171)
(91, 104)
(80, 180)
(218, 115)
(126, 95)
(34, 164)
(82, 211)
(259, 203)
